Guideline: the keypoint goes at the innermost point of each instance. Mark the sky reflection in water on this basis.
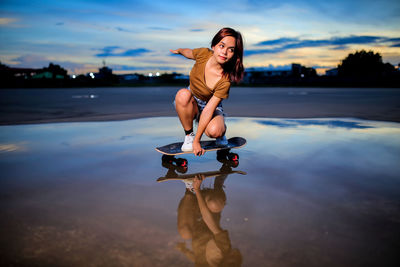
(318, 192)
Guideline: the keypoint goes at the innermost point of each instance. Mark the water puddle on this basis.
(305, 192)
(84, 96)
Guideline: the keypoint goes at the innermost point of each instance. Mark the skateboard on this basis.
(174, 149)
(193, 175)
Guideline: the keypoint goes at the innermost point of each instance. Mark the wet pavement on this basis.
(305, 192)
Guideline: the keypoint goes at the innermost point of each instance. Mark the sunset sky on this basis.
(135, 36)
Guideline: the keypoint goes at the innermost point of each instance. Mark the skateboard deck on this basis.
(193, 175)
(175, 148)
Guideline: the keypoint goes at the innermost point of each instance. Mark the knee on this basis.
(215, 131)
(185, 232)
(183, 97)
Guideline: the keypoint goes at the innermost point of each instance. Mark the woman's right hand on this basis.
(176, 51)
(186, 52)
(197, 181)
(197, 149)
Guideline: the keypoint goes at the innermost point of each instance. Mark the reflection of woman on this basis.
(199, 215)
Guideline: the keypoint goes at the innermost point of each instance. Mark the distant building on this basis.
(265, 75)
(332, 72)
(256, 75)
(23, 72)
(47, 75)
(27, 73)
(180, 77)
(104, 73)
(129, 77)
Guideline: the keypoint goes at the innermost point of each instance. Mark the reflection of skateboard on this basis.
(193, 175)
(175, 149)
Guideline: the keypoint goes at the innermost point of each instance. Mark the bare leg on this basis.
(186, 107)
(216, 127)
(187, 216)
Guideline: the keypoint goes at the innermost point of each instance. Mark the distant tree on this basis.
(388, 68)
(5, 72)
(56, 70)
(3, 67)
(364, 64)
(308, 72)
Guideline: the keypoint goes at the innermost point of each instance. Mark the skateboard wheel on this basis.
(233, 156)
(181, 162)
(183, 169)
(234, 163)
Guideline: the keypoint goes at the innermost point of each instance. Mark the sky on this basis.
(135, 36)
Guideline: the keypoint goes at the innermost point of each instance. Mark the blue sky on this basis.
(135, 36)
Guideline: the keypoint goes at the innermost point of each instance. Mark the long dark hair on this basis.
(234, 67)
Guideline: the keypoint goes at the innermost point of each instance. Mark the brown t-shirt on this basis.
(198, 84)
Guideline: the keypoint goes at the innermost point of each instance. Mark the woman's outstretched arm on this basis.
(186, 52)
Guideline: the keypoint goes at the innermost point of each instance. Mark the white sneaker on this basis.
(188, 143)
(221, 141)
(189, 184)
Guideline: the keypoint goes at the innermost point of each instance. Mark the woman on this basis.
(210, 81)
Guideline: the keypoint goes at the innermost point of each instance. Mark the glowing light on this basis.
(73, 76)
(150, 74)
(157, 74)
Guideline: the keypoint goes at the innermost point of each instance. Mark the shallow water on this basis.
(312, 192)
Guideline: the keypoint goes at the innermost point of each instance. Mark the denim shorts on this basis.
(201, 105)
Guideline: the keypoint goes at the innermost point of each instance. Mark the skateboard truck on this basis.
(228, 158)
(226, 154)
(179, 162)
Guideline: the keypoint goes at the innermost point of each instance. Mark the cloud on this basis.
(4, 148)
(298, 43)
(109, 51)
(367, 11)
(328, 123)
(59, 23)
(6, 21)
(31, 61)
(35, 61)
(279, 41)
(321, 67)
(263, 51)
(106, 51)
(337, 43)
(271, 67)
(141, 68)
(134, 52)
(339, 47)
(159, 28)
(120, 29)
